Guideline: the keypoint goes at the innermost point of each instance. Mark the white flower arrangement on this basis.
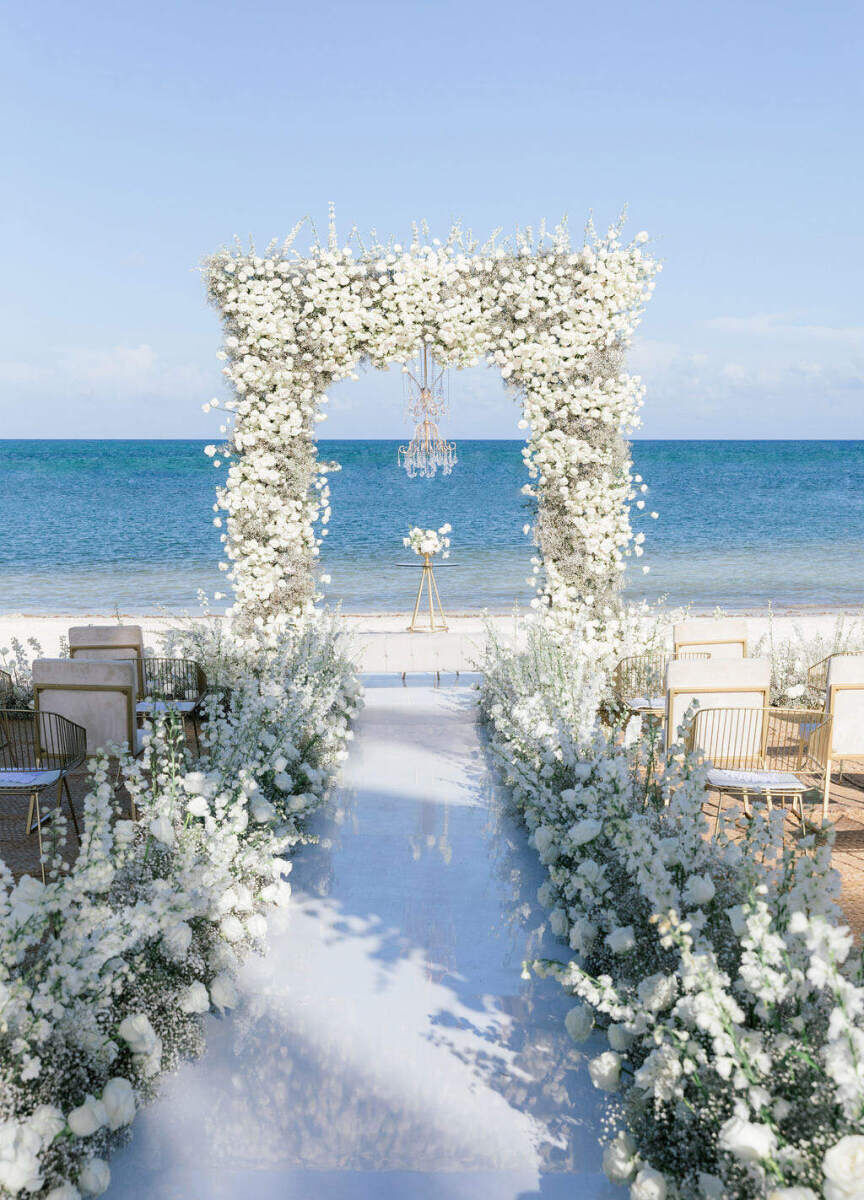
(732, 1002)
(428, 541)
(555, 320)
(107, 968)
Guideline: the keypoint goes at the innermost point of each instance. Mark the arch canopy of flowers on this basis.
(554, 319)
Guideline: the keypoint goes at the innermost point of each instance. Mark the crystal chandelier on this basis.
(425, 404)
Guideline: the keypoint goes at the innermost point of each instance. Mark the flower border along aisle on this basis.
(106, 970)
(555, 320)
(733, 1010)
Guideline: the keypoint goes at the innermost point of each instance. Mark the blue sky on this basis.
(140, 137)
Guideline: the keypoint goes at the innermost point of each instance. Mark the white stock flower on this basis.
(95, 1177)
(843, 1166)
(747, 1140)
(118, 1098)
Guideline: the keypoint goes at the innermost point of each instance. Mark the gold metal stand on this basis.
(427, 577)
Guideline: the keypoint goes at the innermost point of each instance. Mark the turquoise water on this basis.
(87, 525)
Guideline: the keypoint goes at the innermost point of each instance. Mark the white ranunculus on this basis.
(843, 1166)
(47, 1121)
(223, 993)
(605, 1070)
(138, 1033)
(579, 1022)
(20, 1168)
(648, 1185)
(118, 1097)
(621, 940)
(194, 999)
(747, 1140)
(94, 1177)
(620, 1159)
(87, 1117)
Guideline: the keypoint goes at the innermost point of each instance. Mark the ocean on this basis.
(89, 525)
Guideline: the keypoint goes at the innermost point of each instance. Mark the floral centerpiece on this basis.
(428, 541)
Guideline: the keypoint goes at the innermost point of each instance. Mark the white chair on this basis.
(98, 695)
(844, 700)
(725, 638)
(714, 683)
(100, 642)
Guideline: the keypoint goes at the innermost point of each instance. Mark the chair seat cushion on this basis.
(637, 702)
(756, 781)
(27, 779)
(154, 706)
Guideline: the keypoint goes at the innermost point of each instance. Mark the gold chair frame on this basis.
(682, 646)
(177, 680)
(789, 742)
(645, 675)
(56, 744)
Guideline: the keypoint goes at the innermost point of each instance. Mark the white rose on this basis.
(843, 1165)
(648, 1185)
(198, 806)
(176, 940)
(194, 999)
(582, 935)
(95, 1177)
(605, 1070)
(262, 810)
(283, 782)
(256, 926)
(746, 1140)
(699, 890)
(657, 992)
(231, 928)
(118, 1098)
(87, 1117)
(579, 1022)
(223, 993)
(138, 1033)
(621, 940)
(619, 1158)
(195, 783)
(66, 1191)
(47, 1121)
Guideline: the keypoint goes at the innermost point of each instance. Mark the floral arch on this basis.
(555, 320)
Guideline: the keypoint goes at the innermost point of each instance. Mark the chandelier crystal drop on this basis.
(425, 404)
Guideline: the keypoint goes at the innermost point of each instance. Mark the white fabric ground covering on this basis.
(25, 779)
(386, 1047)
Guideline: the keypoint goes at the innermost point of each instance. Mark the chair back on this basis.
(173, 679)
(97, 694)
(40, 741)
(844, 699)
(726, 638)
(787, 740)
(715, 683)
(100, 642)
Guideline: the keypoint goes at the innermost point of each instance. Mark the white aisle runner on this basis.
(386, 1047)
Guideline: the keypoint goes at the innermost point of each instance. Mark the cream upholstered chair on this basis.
(639, 682)
(99, 642)
(725, 638)
(844, 700)
(715, 683)
(99, 695)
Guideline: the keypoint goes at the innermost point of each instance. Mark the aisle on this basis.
(386, 1046)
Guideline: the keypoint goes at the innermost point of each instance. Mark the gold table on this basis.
(427, 578)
